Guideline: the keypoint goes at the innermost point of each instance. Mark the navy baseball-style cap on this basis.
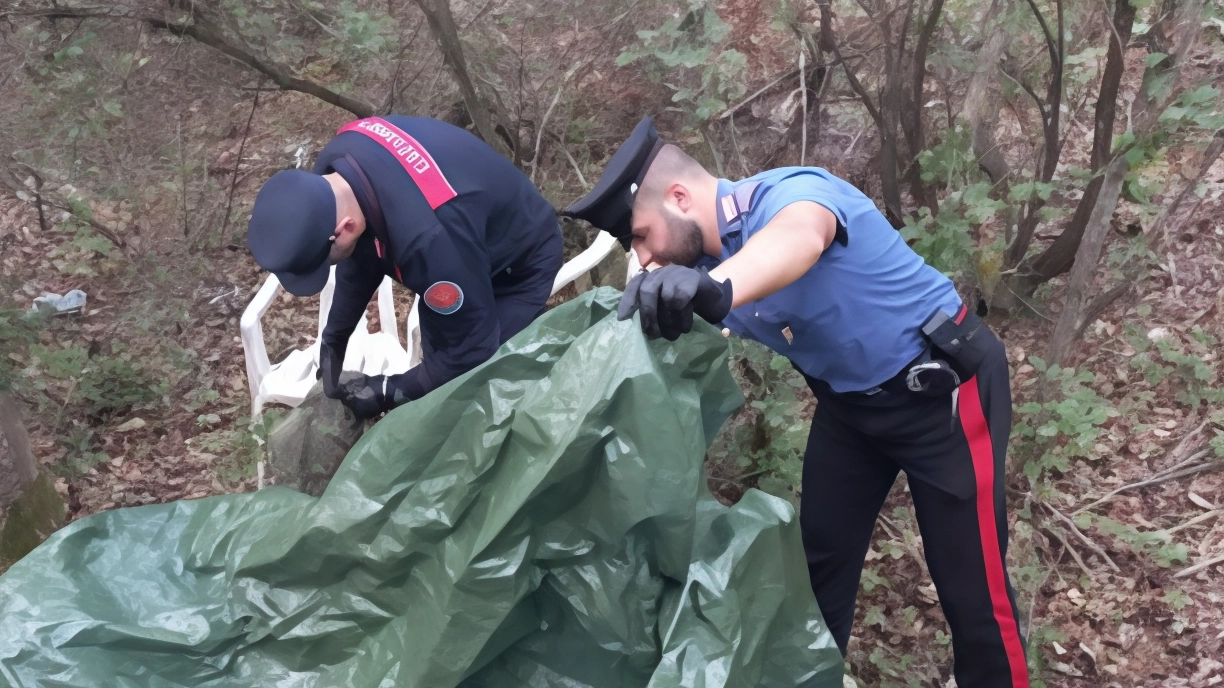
(291, 227)
(609, 206)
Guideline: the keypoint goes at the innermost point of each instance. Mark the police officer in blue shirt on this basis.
(435, 208)
(906, 378)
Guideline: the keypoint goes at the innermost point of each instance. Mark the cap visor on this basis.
(308, 284)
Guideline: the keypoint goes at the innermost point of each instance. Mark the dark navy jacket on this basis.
(496, 235)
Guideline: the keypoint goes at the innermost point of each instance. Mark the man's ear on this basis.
(679, 195)
(347, 226)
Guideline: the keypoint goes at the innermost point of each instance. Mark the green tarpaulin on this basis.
(541, 521)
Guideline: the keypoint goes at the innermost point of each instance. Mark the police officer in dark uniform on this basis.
(906, 377)
(433, 207)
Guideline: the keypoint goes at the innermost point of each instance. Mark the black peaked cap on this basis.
(291, 227)
(609, 206)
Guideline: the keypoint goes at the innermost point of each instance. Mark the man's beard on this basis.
(687, 243)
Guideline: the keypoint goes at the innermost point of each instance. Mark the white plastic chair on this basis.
(373, 353)
(289, 381)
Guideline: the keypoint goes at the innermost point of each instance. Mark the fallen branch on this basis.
(731, 110)
(212, 38)
(1070, 550)
(1196, 520)
(206, 33)
(1080, 534)
(41, 199)
(1199, 567)
(1162, 477)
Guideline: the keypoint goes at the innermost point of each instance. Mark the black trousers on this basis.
(955, 468)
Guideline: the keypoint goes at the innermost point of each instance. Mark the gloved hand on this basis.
(362, 394)
(668, 297)
(330, 362)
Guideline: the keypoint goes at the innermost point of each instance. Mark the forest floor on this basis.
(1115, 600)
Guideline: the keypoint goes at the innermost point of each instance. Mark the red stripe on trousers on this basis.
(977, 432)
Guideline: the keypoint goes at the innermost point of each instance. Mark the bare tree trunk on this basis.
(889, 180)
(1181, 22)
(979, 110)
(911, 120)
(446, 33)
(1058, 258)
(13, 429)
(1086, 260)
(892, 103)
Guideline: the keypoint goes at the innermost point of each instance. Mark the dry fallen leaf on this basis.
(133, 424)
(1201, 502)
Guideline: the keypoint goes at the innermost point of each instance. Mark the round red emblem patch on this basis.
(444, 297)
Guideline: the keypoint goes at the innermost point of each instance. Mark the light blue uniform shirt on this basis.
(854, 319)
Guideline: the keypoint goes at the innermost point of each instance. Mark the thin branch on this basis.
(1098, 305)
(1083, 538)
(1163, 477)
(229, 203)
(731, 110)
(577, 169)
(399, 67)
(209, 35)
(1041, 106)
(1199, 567)
(40, 199)
(1071, 550)
(705, 134)
(1051, 43)
(859, 89)
(1207, 516)
(739, 152)
(212, 38)
(535, 158)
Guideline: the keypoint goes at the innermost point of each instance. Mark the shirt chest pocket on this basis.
(770, 323)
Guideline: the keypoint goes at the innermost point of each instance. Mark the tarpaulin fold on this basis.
(539, 522)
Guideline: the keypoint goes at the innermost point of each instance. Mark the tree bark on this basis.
(1183, 28)
(1059, 256)
(911, 120)
(979, 112)
(446, 33)
(25, 468)
(1097, 228)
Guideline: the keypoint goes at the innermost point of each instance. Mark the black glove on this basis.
(330, 362)
(363, 394)
(668, 297)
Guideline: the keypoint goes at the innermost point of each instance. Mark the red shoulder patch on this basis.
(444, 297)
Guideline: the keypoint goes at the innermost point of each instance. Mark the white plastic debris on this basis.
(1157, 333)
(55, 304)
